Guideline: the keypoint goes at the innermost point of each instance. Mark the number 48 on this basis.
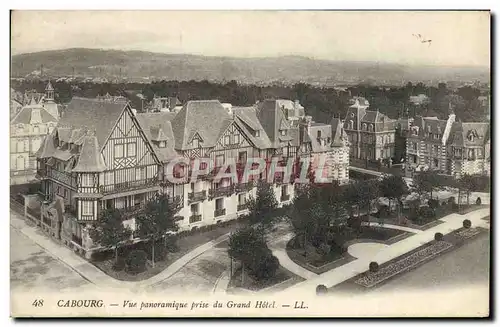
(38, 303)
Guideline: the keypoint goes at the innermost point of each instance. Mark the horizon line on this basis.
(257, 57)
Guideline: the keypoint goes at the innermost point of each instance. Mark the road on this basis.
(31, 267)
(466, 265)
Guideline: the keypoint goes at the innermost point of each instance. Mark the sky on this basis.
(458, 38)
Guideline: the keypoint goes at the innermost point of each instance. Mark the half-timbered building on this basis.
(97, 157)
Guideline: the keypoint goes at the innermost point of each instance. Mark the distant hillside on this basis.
(137, 65)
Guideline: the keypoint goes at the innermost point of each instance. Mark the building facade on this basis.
(103, 155)
(449, 147)
(371, 134)
(28, 129)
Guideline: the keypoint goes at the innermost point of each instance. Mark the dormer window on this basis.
(257, 133)
(196, 143)
(237, 139)
(162, 144)
(351, 124)
(365, 127)
(471, 137)
(319, 134)
(370, 128)
(227, 140)
(352, 114)
(283, 132)
(414, 131)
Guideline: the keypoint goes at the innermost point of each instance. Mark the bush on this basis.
(452, 200)
(438, 236)
(171, 243)
(136, 261)
(467, 223)
(426, 212)
(265, 266)
(433, 203)
(478, 201)
(160, 252)
(373, 266)
(321, 289)
(324, 249)
(119, 265)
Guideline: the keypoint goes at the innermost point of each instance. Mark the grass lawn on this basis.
(319, 264)
(185, 244)
(252, 284)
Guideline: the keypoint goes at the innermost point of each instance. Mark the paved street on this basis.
(32, 267)
(468, 264)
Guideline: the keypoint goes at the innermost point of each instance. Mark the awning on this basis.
(121, 194)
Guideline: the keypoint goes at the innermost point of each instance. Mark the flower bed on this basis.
(405, 264)
(467, 233)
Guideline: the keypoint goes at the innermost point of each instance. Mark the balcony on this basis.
(242, 207)
(285, 197)
(194, 218)
(128, 186)
(221, 191)
(197, 196)
(244, 187)
(132, 212)
(220, 212)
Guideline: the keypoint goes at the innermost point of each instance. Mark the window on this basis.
(479, 153)
(471, 154)
(20, 163)
(227, 140)
(219, 204)
(319, 135)
(457, 152)
(20, 146)
(241, 199)
(87, 180)
(131, 147)
(436, 148)
(194, 209)
(436, 136)
(118, 150)
(351, 123)
(284, 190)
(257, 133)
(192, 187)
(414, 159)
(87, 208)
(370, 128)
(65, 193)
(162, 144)
(283, 132)
(414, 131)
(195, 143)
(51, 128)
(138, 174)
(436, 163)
(237, 139)
(352, 114)
(36, 130)
(471, 137)
(365, 126)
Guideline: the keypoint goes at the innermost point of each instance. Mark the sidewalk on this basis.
(94, 274)
(336, 276)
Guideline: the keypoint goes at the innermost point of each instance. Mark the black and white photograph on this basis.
(250, 163)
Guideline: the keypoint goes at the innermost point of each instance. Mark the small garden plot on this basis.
(371, 279)
(468, 233)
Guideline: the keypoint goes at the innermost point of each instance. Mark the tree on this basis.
(394, 188)
(244, 244)
(262, 208)
(425, 182)
(466, 184)
(159, 217)
(367, 191)
(109, 230)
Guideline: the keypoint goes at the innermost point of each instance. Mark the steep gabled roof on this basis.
(24, 116)
(460, 132)
(208, 118)
(337, 133)
(97, 116)
(151, 124)
(90, 159)
(246, 118)
(326, 132)
(273, 119)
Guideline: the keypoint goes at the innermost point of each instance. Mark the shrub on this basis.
(265, 266)
(478, 201)
(119, 265)
(373, 266)
(454, 207)
(433, 203)
(452, 200)
(321, 289)
(136, 261)
(426, 212)
(160, 252)
(438, 236)
(171, 243)
(467, 223)
(324, 249)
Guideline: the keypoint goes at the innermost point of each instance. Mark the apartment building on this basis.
(449, 147)
(103, 155)
(371, 134)
(28, 129)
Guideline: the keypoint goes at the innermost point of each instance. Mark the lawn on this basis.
(186, 243)
(255, 285)
(319, 263)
